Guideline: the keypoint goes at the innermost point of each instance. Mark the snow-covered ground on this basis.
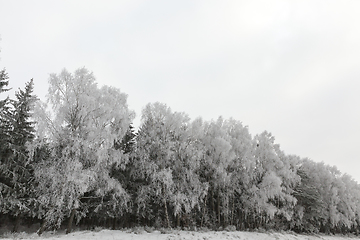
(174, 235)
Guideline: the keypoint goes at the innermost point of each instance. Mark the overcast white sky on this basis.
(289, 67)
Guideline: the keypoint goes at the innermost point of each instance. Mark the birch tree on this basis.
(268, 194)
(167, 160)
(218, 156)
(239, 170)
(81, 132)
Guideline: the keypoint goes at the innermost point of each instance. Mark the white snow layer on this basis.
(178, 235)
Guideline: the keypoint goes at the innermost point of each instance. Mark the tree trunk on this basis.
(212, 204)
(114, 223)
(178, 220)
(218, 209)
(17, 223)
(166, 214)
(72, 215)
(42, 228)
(232, 210)
(203, 215)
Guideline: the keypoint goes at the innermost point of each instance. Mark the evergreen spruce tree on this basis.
(4, 82)
(5, 114)
(23, 133)
(23, 125)
(5, 140)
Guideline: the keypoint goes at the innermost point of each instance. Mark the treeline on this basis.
(77, 160)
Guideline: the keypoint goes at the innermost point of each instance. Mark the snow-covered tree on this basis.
(218, 157)
(167, 160)
(81, 134)
(268, 193)
(238, 170)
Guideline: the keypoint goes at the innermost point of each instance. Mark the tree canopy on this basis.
(77, 158)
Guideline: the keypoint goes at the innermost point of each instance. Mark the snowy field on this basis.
(173, 235)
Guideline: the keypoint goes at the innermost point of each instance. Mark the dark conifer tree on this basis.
(5, 139)
(5, 114)
(23, 125)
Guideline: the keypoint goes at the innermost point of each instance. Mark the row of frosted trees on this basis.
(77, 160)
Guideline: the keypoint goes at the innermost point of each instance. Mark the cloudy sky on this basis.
(289, 67)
